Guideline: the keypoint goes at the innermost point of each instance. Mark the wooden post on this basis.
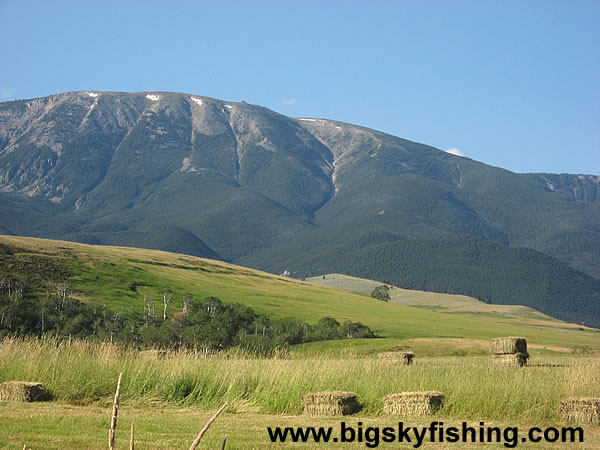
(131, 440)
(206, 427)
(115, 412)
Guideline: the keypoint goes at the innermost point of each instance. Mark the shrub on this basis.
(381, 293)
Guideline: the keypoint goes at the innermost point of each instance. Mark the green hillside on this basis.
(455, 265)
(448, 303)
(119, 277)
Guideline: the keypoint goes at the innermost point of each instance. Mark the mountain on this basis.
(245, 184)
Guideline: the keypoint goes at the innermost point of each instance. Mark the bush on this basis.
(381, 293)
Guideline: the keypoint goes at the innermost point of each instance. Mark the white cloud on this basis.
(289, 101)
(455, 151)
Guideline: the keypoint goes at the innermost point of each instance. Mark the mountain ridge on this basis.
(246, 184)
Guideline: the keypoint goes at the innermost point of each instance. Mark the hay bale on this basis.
(397, 357)
(508, 345)
(580, 410)
(414, 404)
(23, 391)
(333, 403)
(516, 359)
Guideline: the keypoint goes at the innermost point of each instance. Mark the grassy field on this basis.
(120, 277)
(170, 397)
(476, 388)
(449, 303)
(58, 425)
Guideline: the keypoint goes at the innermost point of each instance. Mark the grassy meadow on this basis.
(120, 277)
(449, 303)
(61, 426)
(262, 392)
(169, 396)
(86, 373)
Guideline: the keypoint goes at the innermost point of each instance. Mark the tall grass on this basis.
(474, 388)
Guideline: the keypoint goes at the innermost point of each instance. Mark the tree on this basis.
(148, 308)
(327, 328)
(353, 330)
(167, 297)
(61, 290)
(187, 298)
(381, 293)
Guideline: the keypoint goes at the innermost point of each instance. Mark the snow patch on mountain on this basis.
(90, 109)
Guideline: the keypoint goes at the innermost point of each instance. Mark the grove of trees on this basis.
(207, 324)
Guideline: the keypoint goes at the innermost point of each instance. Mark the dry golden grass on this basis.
(396, 357)
(474, 386)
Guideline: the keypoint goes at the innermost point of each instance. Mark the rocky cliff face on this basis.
(77, 148)
(61, 147)
(581, 188)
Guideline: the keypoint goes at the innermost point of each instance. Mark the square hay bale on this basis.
(414, 404)
(580, 410)
(516, 359)
(397, 357)
(508, 345)
(23, 391)
(334, 403)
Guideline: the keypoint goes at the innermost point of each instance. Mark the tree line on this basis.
(204, 324)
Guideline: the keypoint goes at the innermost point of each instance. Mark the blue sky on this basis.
(515, 84)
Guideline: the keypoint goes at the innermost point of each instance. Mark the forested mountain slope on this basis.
(248, 185)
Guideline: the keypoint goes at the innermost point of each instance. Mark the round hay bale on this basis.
(508, 345)
(397, 357)
(23, 391)
(516, 359)
(580, 410)
(414, 404)
(333, 403)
